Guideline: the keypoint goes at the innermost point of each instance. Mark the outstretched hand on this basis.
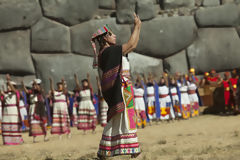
(137, 21)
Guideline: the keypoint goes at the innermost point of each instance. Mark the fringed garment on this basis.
(120, 134)
(103, 112)
(61, 120)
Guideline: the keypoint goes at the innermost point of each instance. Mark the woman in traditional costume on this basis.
(193, 97)
(185, 102)
(11, 118)
(119, 135)
(86, 112)
(61, 120)
(37, 110)
(151, 98)
(166, 109)
(140, 104)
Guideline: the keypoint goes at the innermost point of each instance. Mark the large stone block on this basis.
(81, 34)
(146, 9)
(215, 48)
(125, 10)
(50, 36)
(15, 57)
(225, 15)
(141, 64)
(176, 63)
(171, 4)
(210, 3)
(69, 12)
(227, 1)
(18, 13)
(162, 37)
(107, 4)
(61, 65)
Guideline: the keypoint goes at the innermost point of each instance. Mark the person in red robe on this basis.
(214, 78)
(226, 87)
(234, 86)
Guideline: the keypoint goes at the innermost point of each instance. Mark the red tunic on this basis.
(234, 82)
(212, 79)
(226, 92)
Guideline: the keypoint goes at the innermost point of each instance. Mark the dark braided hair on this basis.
(101, 40)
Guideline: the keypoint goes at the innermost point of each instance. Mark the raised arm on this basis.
(24, 88)
(10, 84)
(77, 82)
(89, 81)
(1, 93)
(51, 85)
(133, 41)
(64, 86)
(144, 79)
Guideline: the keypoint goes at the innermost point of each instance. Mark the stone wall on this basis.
(51, 38)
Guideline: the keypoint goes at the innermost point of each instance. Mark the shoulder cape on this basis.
(110, 64)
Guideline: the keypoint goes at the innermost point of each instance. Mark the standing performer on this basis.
(176, 97)
(61, 120)
(103, 105)
(37, 110)
(227, 92)
(11, 118)
(23, 112)
(151, 105)
(119, 136)
(165, 100)
(75, 108)
(139, 103)
(86, 112)
(192, 88)
(234, 85)
(185, 102)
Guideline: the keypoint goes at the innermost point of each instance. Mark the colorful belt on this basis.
(183, 91)
(150, 95)
(138, 96)
(174, 94)
(60, 100)
(163, 95)
(191, 92)
(11, 105)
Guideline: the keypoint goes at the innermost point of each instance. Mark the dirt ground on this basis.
(206, 137)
